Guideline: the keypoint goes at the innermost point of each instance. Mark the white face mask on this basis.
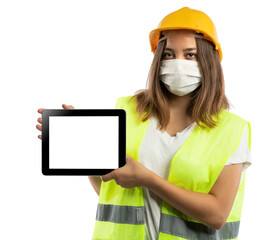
(180, 76)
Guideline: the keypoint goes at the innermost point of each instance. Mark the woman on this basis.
(186, 154)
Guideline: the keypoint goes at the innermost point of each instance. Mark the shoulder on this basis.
(236, 118)
(230, 115)
(240, 124)
(227, 118)
(122, 101)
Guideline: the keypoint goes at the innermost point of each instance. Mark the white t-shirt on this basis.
(156, 152)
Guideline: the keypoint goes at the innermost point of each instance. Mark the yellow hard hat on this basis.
(186, 18)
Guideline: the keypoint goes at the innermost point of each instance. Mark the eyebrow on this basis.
(184, 50)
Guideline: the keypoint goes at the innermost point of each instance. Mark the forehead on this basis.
(180, 38)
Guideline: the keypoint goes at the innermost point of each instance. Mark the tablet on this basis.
(88, 142)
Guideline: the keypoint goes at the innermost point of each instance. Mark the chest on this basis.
(175, 125)
(158, 148)
(199, 161)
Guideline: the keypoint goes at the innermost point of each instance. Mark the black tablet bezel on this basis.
(81, 112)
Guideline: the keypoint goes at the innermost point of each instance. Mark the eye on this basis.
(167, 55)
(191, 55)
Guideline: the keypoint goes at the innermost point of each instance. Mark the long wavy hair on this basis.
(206, 100)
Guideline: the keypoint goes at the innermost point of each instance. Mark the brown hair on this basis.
(209, 98)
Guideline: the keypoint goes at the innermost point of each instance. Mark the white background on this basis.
(87, 54)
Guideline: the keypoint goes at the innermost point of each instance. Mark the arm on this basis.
(211, 209)
(96, 183)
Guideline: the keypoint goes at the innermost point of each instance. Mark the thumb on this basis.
(67, 106)
(108, 176)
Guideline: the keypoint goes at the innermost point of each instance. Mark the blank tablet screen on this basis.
(89, 141)
(78, 142)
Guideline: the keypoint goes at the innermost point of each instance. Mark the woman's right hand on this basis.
(40, 110)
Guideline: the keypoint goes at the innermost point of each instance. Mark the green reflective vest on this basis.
(195, 166)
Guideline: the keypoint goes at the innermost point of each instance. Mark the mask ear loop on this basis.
(162, 38)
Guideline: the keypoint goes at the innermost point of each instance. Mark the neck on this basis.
(179, 105)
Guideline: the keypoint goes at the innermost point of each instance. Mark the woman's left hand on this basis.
(132, 174)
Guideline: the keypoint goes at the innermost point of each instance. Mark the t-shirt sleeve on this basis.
(242, 153)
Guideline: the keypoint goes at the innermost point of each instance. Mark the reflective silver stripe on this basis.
(120, 214)
(193, 231)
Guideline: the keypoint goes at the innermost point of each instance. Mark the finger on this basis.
(39, 127)
(39, 119)
(40, 137)
(67, 106)
(40, 110)
(108, 176)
